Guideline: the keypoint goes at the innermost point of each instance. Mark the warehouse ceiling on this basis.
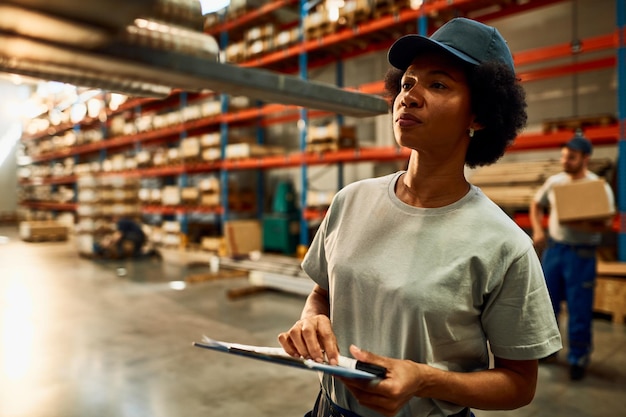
(80, 43)
(136, 54)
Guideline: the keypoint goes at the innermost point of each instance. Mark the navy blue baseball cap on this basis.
(469, 40)
(580, 143)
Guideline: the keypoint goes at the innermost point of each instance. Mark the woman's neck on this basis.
(431, 192)
(432, 186)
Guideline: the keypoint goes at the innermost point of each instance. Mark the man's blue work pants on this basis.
(570, 272)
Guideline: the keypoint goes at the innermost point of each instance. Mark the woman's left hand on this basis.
(386, 396)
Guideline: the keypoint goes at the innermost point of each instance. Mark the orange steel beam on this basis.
(594, 44)
(157, 209)
(68, 179)
(606, 135)
(49, 205)
(523, 220)
(560, 70)
(378, 87)
(389, 153)
(313, 214)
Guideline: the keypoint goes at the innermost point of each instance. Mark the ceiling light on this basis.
(212, 6)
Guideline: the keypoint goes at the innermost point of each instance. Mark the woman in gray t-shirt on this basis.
(419, 269)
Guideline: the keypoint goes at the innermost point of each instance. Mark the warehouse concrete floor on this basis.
(76, 339)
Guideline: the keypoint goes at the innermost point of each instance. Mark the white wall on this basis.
(582, 94)
(10, 95)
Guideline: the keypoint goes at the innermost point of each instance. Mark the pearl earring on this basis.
(471, 132)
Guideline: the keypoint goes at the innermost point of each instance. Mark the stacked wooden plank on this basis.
(578, 122)
(610, 290)
(330, 137)
(512, 185)
(259, 40)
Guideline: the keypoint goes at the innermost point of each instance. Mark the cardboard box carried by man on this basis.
(582, 200)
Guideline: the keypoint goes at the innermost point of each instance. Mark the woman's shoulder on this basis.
(492, 214)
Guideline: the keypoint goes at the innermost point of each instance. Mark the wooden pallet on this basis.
(610, 290)
(213, 276)
(388, 7)
(362, 12)
(321, 30)
(43, 231)
(8, 218)
(577, 122)
(345, 140)
(34, 238)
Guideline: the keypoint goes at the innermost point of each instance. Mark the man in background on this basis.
(127, 240)
(569, 253)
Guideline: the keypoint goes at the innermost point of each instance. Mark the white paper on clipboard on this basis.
(278, 355)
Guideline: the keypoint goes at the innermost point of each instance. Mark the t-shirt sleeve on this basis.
(518, 318)
(541, 196)
(315, 264)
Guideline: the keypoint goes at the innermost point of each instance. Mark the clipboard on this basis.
(278, 356)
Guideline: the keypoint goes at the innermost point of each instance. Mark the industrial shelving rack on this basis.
(316, 52)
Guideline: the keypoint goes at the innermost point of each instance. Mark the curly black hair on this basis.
(499, 102)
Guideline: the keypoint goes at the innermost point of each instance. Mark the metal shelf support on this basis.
(620, 7)
(302, 126)
(340, 120)
(223, 142)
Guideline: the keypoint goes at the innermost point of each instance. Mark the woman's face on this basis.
(433, 113)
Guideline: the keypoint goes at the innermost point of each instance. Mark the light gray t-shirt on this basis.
(433, 285)
(560, 232)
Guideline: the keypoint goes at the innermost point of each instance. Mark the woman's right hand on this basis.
(311, 338)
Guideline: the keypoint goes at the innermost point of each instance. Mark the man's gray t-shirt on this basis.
(432, 285)
(561, 232)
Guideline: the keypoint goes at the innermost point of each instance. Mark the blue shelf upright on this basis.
(223, 143)
(302, 127)
(183, 180)
(620, 8)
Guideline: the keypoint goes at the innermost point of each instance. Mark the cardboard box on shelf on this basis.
(170, 195)
(242, 237)
(210, 199)
(319, 198)
(190, 148)
(190, 195)
(582, 200)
